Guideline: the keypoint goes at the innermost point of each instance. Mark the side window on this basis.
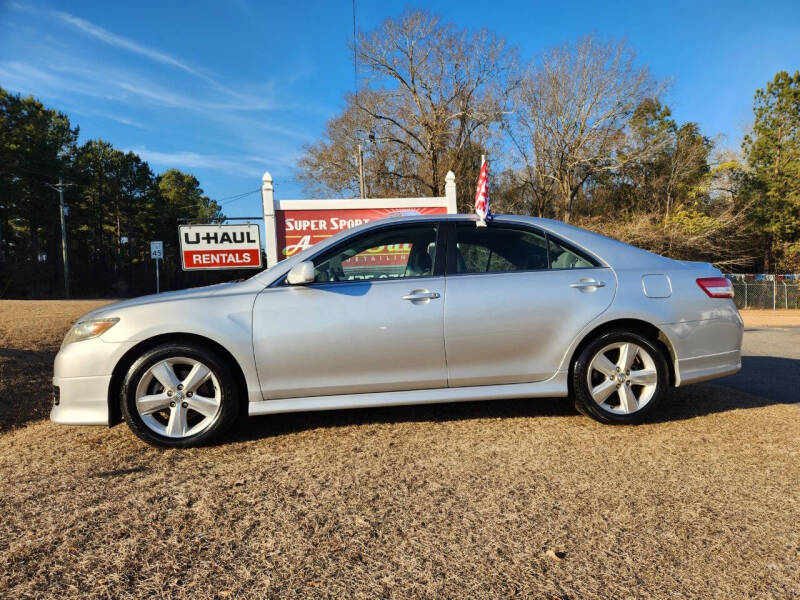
(389, 253)
(497, 249)
(563, 257)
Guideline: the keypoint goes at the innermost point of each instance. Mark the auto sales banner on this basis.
(300, 229)
(205, 247)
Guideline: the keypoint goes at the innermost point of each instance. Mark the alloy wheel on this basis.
(178, 397)
(622, 378)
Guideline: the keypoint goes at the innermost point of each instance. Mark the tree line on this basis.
(116, 206)
(579, 133)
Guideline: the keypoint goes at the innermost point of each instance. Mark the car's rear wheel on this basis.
(178, 395)
(619, 378)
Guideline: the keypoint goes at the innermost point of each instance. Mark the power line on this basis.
(355, 53)
(355, 85)
(44, 176)
(221, 202)
(236, 197)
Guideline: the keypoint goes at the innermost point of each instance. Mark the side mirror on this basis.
(301, 273)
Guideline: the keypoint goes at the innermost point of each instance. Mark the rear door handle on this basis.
(587, 283)
(421, 295)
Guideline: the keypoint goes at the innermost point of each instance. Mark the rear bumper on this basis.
(707, 348)
(82, 400)
(703, 368)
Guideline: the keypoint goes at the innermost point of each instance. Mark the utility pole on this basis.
(59, 187)
(361, 171)
(355, 87)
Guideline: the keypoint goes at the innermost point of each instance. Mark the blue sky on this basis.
(227, 90)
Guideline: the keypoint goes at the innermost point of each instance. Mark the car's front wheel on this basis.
(179, 395)
(619, 378)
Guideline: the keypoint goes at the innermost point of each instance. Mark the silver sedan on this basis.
(406, 310)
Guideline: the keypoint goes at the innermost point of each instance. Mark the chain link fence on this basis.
(772, 295)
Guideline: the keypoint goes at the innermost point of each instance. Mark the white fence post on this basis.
(450, 192)
(275, 213)
(270, 232)
(774, 292)
(745, 293)
(785, 296)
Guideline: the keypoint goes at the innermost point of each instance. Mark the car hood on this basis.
(219, 289)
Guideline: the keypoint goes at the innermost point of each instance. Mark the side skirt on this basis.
(555, 387)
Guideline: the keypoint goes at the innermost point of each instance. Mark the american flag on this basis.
(482, 196)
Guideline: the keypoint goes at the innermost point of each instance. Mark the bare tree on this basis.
(331, 164)
(430, 93)
(573, 108)
(533, 175)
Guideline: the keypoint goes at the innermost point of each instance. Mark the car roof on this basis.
(613, 253)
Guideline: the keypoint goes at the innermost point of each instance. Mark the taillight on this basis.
(716, 287)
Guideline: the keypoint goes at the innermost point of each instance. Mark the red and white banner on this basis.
(300, 229)
(482, 208)
(206, 247)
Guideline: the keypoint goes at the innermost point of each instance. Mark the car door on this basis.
(516, 298)
(372, 321)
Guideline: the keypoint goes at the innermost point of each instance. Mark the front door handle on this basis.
(587, 283)
(417, 295)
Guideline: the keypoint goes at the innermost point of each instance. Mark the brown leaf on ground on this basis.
(556, 556)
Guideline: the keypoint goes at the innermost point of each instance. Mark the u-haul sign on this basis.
(220, 247)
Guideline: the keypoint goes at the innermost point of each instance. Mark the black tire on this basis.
(579, 384)
(228, 388)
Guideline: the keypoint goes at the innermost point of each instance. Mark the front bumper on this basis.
(82, 373)
(82, 400)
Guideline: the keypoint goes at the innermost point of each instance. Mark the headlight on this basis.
(86, 330)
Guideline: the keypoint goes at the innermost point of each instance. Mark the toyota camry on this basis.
(406, 310)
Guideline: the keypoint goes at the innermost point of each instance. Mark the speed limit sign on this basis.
(157, 250)
(157, 253)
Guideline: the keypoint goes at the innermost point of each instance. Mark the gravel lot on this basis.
(771, 363)
(495, 499)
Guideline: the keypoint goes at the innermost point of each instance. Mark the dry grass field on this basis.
(770, 318)
(30, 334)
(480, 500)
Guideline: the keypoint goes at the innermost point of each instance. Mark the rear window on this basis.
(501, 249)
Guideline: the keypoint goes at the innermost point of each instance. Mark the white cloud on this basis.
(165, 97)
(27, 78)
(121, 42)
(100, 82)
(67, 83)
(193, 160)
(113, 117)
(242, 133)
(118, 41)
